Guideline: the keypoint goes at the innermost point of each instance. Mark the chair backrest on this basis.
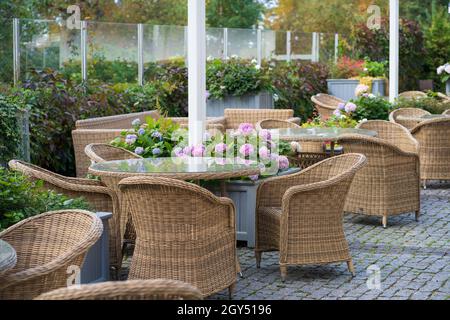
(234, 117)
(392, 132)
(407, 112)
(159, 289)
(122, 121)
(446, 112)
(102, 152)
(275, 124)
(46, 245)
(326, 104)
(412, 95)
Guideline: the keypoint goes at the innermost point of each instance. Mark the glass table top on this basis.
(7, 256)
(179, 166)
(322, 134)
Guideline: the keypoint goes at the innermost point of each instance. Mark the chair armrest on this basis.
(295, 120)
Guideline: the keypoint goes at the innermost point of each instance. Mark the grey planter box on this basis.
(447, 88)
(345, 88)
(263, 100)
(243, 194)
(96, 264)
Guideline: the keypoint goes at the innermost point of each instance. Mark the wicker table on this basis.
(8, 257)
(314, 135)
(184, 168)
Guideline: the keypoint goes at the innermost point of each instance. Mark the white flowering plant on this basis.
(444, 72)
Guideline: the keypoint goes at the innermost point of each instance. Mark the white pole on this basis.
(197, 70)
(394, 49)
(16, 51)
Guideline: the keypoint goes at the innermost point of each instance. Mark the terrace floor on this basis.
(413, 259)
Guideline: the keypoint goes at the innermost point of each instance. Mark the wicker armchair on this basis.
(434, 140)
(46, 246)
(102, 152)
(101, 198)
(184, 233)
(326, 104)
(405, 113)
(412, 95)
(390, 183)
(446, 112)
(301, 215)
(122, 121)
(159, 289)
(269, 124)
(234, 117)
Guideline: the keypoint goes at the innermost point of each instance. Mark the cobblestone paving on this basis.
(413, 259)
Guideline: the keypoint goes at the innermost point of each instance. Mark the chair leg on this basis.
(258, 256)
(385, 221)
(283, 271)
(417, 215)
(231, 290)
(351, 268)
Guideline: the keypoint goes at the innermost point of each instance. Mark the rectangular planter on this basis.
(447, 88)
(345, 88)
(243, 194)
(96, 264)
(263, 100)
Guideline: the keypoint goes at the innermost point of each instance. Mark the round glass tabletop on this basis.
(319, 134)
(179, 168)
(8, 256)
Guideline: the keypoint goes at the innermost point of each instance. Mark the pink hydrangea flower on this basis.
(221, 148)
(264, 153)
(187, 150)
(247, 150)
(283, 162)
(350, 107)
(341, 106)
(337, 113)
(198, 151)
(246, 129)
(265, 134)
(254, 178)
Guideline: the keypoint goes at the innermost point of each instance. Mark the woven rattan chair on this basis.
(184, 233)
(234, 117)
(101, 199)
(444, 98)
(121, 121)
(301, 215)
(47, 245)
(446, 112)
(434, 139)
(159, 289)
(326, 104)
(412, 95)
(269, 124)
(390, 183)
(406, 113)
(102, 152)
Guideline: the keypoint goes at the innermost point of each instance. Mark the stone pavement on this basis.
(413, 260)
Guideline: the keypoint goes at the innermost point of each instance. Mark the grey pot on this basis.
(345, 88)
(263, 100)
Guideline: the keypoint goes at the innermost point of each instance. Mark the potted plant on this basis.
(348, 74)
(444, 72)
(236, 83)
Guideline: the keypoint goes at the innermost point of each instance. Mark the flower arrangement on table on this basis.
(153, 139)
(246, 144)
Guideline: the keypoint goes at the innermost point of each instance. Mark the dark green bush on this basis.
(430, 104)
(295, 83)
(372, 108)
(21, 198)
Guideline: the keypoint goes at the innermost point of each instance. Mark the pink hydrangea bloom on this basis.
(265, 134)
(264, 153)
(283, 162)
(254, 178)
(198, 151)
(350, 107)
(221, 148)
(247, 150)
(246, 129)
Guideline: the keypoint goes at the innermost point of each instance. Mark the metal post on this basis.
(288, 46)
(393, 49)
(336, 47)
(140, 35)
(16, 51)
(225, 43)
(259, 54)
(83, 49)
(315, 46)
(197, 70)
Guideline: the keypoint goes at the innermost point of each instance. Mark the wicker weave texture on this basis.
(116, 122)
(234, 117)
(434, 140)
(101, 198)
(301, 215)
(407, 112)
(446, 112)
(390, 183)
(269, 124)
(47, 245)
(102, 152)
(184, 233)
(326, 104)
(412, 95)
(159, 289)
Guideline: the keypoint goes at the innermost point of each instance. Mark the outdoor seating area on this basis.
(225, 163)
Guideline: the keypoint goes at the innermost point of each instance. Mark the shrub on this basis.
(21, 198)
(295, 83)
(371, 107)
(431, 104)
(374, 44)
(375, 69)
(347, 68)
